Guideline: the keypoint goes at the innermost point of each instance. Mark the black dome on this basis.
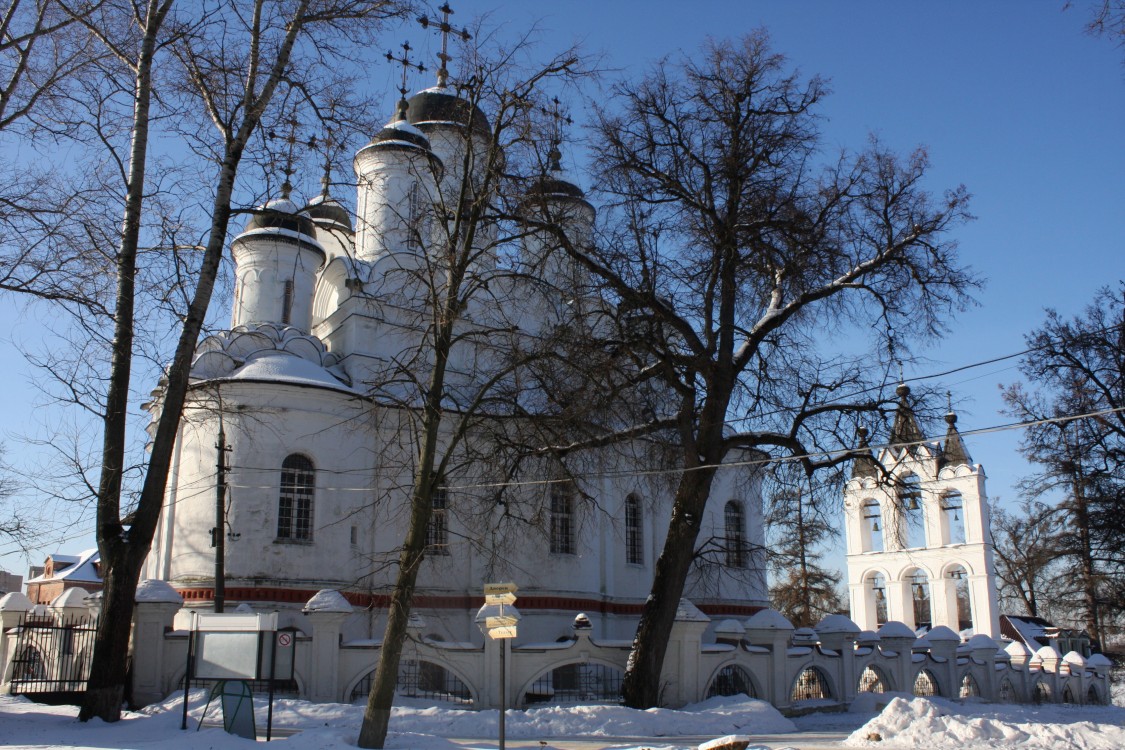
(554, 187)
(281, 214)
(328, 210)
(434, 106)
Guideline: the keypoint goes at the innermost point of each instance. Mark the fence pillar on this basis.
(326, 611)
(13, 608)
(680, 676)
(838, 633)
(770, 629)
(895, 642)
(156, 606)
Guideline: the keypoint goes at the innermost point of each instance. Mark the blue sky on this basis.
(1012, 99)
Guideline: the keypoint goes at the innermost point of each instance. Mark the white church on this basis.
(318, 473)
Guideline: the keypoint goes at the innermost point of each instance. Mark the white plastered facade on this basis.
(942, 544)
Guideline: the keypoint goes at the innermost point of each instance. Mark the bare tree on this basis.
(1075, 402)
(737, 249)
(1027, 546)
(227, 61)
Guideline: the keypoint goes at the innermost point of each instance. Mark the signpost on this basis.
(500, 625)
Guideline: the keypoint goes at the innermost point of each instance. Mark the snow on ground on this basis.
(905, 722)
(25, 724)
(925, 723)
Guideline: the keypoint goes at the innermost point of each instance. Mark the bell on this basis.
(955, 516)
(913, 503)
(875, 526)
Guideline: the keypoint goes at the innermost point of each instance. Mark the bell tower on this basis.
(919, 549)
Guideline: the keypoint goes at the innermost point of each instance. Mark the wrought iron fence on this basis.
(52, 656)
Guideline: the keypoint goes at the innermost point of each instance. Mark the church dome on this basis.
(281, 216)
(438, 107)
(401, 134)
(325, 209)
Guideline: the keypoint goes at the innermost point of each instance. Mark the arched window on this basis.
(562, 519)
(295, 502)
(912, 529)
(920, 594)
(872, 681)
(732, 680)
(1041, 692)
(1007, 692)
(969, 687)
(437, 533)
(287, 303)
(960, 580)
(926, 685)
(1092, 697)
(586, 682)
(810, 685)
(873, 526)
(634, 531)
(421, 679)
(735, 531)
(875, 587)
(953, 519)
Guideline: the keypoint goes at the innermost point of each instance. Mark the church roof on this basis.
(955, 453)
(436, 106)
(327, 209)
(905, 432)
(864, 466)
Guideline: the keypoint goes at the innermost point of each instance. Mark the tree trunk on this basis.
(120, 565)
(641, 686)
(377, 714)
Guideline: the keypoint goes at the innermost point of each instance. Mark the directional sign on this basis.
(501, 633)
(500, 599)
(503, 621)
(500, 588)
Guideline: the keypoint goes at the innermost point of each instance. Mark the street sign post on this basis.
(500, 625)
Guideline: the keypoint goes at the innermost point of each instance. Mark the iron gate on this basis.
(52, 656)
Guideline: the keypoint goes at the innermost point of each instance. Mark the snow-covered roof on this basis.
(942, 634)
(153, 591)
(328, 600)
(896, 630)
(82, 569)
(768, 619)
(837, 624)
(75, 597)
(982, 641)
(688, 612)
(15, 601)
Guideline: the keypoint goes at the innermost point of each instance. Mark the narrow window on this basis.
(287, 302)
(562, 520)
(735, 535)
(355, 536)
(634, 531)
(295, 503)
(437, 533)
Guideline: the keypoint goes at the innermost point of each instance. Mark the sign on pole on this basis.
(499, 634)
(503, 621)
(500, 588)
(500, 599)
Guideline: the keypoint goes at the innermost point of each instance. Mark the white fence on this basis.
(762, 656)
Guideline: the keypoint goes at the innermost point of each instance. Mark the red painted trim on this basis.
(453, 601)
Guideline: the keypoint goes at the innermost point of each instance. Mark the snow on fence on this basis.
(762, 656)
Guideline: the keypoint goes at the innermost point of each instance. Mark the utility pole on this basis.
(218, 534)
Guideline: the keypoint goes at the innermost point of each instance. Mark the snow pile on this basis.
(714, 716)
(416, 724)
(933, 723)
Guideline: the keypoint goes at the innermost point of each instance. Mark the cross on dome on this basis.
(445, 29)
